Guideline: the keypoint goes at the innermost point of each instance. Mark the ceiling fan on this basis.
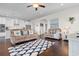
(36, 5)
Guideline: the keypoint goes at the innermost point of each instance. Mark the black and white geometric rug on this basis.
(32, 48)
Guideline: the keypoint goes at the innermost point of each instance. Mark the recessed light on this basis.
(61, 4)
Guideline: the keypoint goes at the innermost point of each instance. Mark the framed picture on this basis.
(2, 27)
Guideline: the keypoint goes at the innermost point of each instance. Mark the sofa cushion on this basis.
(57, 36)
(17, 33)
(25, 33)
(30, 32)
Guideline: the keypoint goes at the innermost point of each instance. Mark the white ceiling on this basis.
(20, 10)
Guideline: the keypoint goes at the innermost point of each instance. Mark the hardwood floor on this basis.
(4, 45)
(59, 49)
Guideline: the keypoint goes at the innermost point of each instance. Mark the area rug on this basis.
(32, 48)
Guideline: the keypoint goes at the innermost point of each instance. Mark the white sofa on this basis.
(57, 35)
(54, 33)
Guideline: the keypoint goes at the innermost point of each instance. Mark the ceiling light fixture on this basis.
(35, 5)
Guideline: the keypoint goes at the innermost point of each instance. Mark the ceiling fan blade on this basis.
(42, 6)
(36, 9)
(29, 6)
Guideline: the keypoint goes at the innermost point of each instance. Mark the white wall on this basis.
(63, 17)
(9, 22)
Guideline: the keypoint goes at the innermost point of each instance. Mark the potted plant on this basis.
(71, 19)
